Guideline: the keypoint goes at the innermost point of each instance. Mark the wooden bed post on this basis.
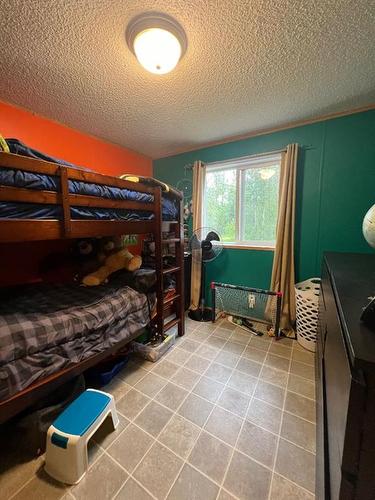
(65, 200)
(159, 261)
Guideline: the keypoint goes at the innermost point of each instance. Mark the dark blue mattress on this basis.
(31, 180)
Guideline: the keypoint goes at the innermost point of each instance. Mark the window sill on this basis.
(248, 246)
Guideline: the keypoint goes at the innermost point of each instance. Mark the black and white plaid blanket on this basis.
(46, 328)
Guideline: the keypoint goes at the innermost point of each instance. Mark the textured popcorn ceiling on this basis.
(250, 64)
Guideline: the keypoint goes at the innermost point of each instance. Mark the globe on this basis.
(368, 227)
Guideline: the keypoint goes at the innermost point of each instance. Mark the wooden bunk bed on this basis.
(23, 230)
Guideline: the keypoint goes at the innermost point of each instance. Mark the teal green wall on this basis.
(335, 187)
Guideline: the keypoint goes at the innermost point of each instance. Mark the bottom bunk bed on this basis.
(49, 334)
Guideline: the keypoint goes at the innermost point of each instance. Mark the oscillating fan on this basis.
(205, 246)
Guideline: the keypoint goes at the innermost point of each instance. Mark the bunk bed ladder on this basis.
(174, 304)
(180, 302)
(159, 262)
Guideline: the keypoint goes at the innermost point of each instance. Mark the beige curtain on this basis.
(197, 199)
(282, 279)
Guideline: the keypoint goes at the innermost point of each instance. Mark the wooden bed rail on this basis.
(8, 193)
(41, 388)
(13, 230)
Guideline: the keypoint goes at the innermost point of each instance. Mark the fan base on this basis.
(199, 315)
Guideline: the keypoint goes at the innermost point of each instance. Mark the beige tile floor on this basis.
(222, 416)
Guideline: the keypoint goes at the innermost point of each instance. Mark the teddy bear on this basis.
(113, 258)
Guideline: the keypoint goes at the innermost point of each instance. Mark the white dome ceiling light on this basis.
(157, 40)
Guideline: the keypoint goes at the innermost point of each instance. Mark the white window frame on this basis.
(241, 165)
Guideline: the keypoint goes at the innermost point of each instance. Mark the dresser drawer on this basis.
(338, 380)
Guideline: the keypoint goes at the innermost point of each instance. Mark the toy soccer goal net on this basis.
(257, 309)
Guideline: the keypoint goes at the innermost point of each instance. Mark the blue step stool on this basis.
(67, 437)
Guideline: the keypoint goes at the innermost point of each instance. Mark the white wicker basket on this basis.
(307, 299)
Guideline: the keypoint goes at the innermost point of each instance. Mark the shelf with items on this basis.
(167, 258)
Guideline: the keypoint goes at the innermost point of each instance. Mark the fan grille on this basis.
(205, 244)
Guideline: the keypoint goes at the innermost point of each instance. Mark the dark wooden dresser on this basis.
(345, 380)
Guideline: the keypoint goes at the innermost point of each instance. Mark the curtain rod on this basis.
(189, 166)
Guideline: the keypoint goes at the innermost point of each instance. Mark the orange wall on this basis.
(66, 143)
(20, 262)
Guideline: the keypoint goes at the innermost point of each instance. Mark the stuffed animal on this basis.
(90, 253)
(121, 259)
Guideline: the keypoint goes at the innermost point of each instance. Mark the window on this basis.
(240, 200)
